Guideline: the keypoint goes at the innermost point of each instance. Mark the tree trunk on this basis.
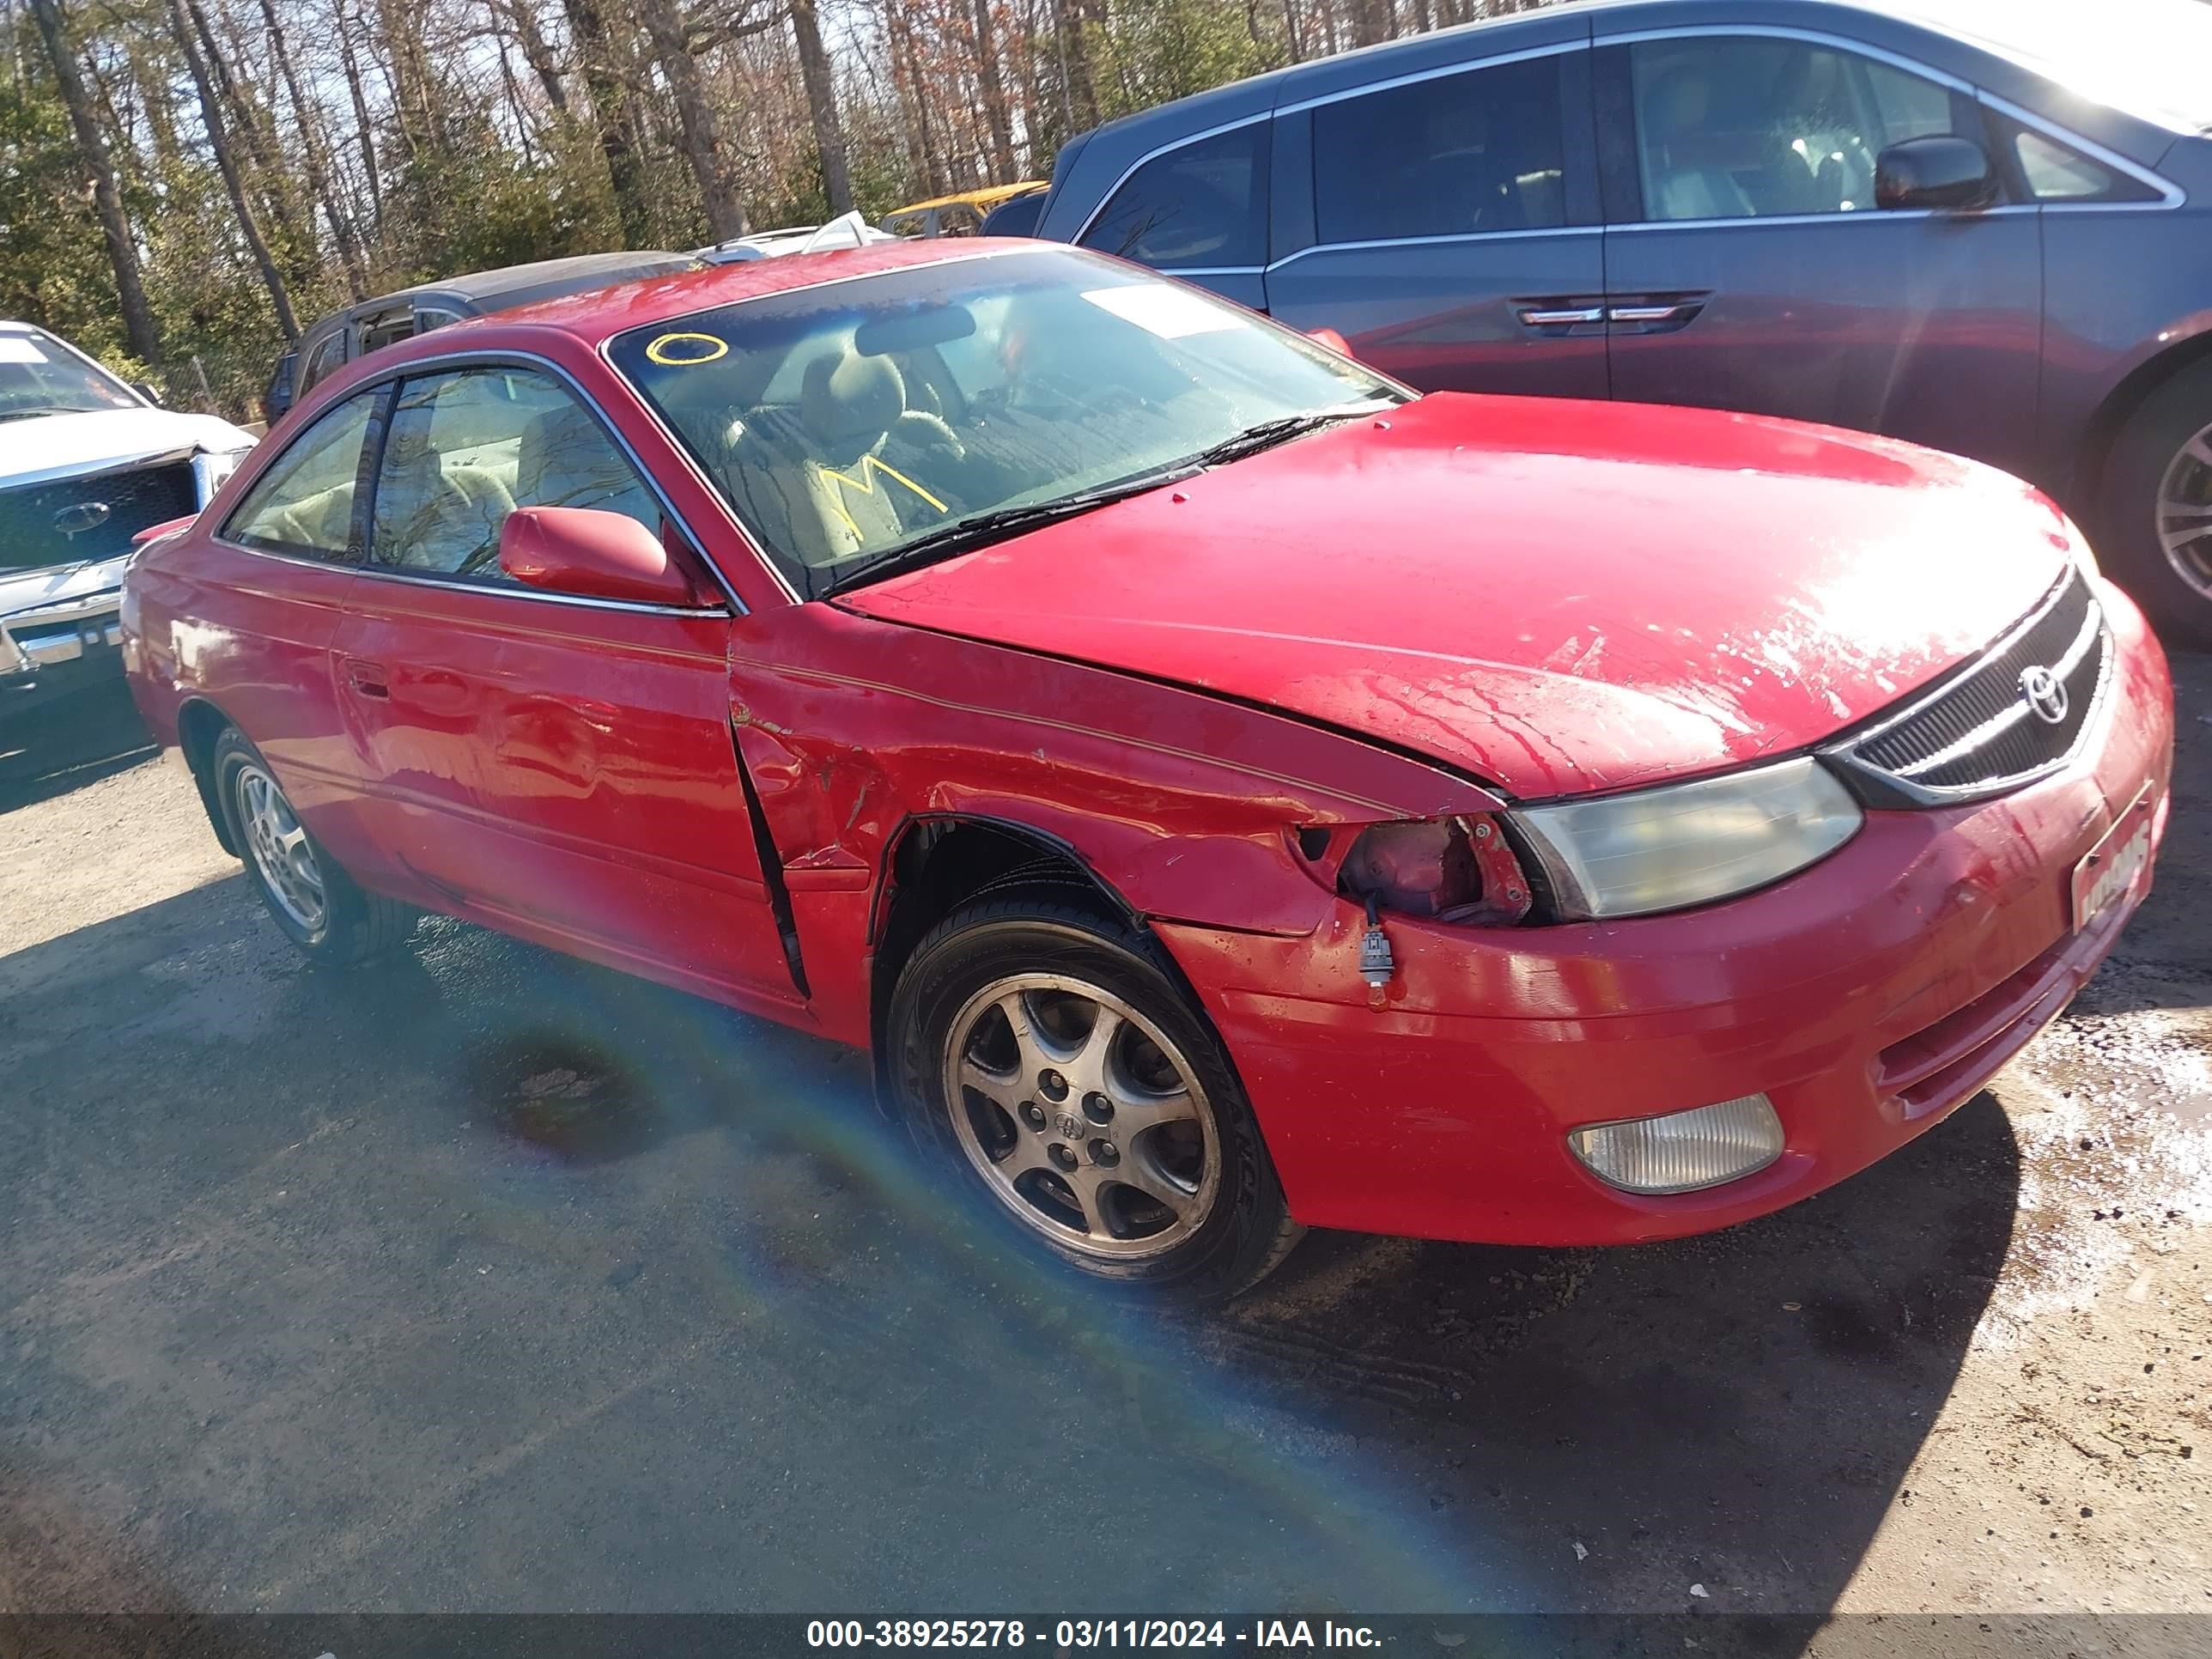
(1075, 56)
(247, 124)
(361, 126)
(996, 116)
(696, 137)
(822, 107)
(318, 159)
(227, 164)
(612, 117)
(138, 329)
(530, 35)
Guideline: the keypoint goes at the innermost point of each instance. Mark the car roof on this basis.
(513, 285)
(599, 313)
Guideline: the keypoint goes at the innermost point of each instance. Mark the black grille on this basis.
(1981, 734)
(35, 519)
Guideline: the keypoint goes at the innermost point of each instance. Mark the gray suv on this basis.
(1983, 227)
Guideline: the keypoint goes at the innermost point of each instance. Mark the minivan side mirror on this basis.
(1937, 170)
(593, 555)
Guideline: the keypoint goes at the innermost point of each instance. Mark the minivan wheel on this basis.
(1049, 1057)
(315, 903)
(2157, 507)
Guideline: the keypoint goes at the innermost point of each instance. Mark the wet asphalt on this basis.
(487, 1281)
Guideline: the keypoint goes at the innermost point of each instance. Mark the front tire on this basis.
(1050, 1057)
(2156, 511)
(310, 898)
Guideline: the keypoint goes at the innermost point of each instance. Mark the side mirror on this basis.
(591, 554)
(146, 390)
(1934, 171)
(1332, 339)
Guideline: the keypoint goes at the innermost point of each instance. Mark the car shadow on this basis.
(1384, 1425)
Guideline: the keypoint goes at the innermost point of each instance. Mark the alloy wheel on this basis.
(281, 849)
(1082, 1116)
(2184, 513)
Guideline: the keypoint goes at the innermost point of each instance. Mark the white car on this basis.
(846, 231)
(86, 462)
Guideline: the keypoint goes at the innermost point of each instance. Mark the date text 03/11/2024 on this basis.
(1071, 1634)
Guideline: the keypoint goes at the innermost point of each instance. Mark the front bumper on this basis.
(1867, 997)
(56, 649)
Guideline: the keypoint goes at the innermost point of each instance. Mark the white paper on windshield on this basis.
(15, 348)
(1167, 312)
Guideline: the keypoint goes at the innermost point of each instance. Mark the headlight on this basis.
(212, 469)
(1689, 843)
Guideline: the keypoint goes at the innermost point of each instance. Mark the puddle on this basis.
(567, 1098)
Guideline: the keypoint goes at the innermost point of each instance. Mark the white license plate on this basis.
(2110, 868)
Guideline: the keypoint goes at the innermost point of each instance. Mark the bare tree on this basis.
(115, 230)
(218, 140)
(822, 106)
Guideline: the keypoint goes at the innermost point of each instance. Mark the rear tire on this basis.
(1049, 1057)
(2156, 506)
(307, 895)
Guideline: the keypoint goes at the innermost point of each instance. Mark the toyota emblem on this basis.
(1069, 1126)
(78, 517)
(2046, 693)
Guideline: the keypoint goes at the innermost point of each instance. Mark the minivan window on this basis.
(328, 353)
(1732, 127)
(303, 504)
(1458, 154)
(1202, 206)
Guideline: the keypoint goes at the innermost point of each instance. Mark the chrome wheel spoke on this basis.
(1087, 1065)
(1089, 1187)
(1156, 1184)
(1001, 1088)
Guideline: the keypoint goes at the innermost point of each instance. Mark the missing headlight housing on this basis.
(1454, 870)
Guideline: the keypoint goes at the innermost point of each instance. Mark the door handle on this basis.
(1560, 316)
(1656, 316)
(366, 677)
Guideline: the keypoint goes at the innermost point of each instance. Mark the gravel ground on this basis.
(487, 1280)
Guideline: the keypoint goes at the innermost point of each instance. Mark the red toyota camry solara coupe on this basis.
(1226, 792)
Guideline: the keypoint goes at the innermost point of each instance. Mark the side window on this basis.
(1743, 127)
(467, 448)
(1205, 204)
(328, 355)
(303, 504)
(1458, 154)
(2055, 173)
(387, 330)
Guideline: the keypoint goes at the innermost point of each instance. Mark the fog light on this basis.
(1683, 1152)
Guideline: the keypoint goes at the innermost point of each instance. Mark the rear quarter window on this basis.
(1201, 206)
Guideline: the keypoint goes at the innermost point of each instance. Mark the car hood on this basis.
(51, 446)
(1559, 597)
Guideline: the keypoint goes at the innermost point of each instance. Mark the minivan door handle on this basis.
(1560, 316)
(366, 677)
(1654, 315)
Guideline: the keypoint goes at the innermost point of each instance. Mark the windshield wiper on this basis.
(1267, 434)
(979, 529)
(37, 410)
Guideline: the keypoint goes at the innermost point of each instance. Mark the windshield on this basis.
(2148, 57)
(40, 375)
(847, 421)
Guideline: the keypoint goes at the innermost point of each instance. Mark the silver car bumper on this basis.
(48, 636)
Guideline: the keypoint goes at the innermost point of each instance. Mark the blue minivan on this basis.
(1982, 225)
